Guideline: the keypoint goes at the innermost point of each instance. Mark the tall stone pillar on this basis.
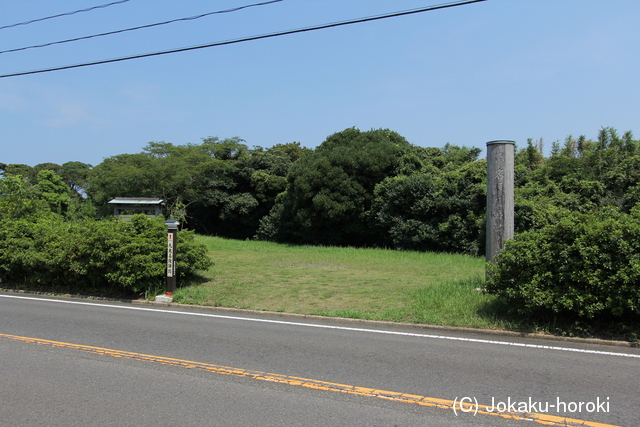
(500, 187)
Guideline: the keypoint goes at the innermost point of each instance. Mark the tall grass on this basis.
(375, 284)
(360, 283)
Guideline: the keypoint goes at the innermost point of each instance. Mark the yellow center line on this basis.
(316, 384)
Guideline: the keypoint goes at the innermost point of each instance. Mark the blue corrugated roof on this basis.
(137, 201)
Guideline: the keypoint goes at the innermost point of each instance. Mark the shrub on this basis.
(94, 255)
(585, 264)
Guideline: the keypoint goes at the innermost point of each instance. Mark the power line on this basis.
(190, 18)
(64, 14)
(252, 38)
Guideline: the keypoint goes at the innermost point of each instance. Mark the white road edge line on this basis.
(342, 328)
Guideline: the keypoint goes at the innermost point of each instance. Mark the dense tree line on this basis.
(357, 188)
(217, 187)
(376, 189)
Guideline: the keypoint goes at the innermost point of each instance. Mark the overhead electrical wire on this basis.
(252, 38)
(64, 14)
(189, 18)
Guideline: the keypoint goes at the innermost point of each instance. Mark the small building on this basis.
(125, 207)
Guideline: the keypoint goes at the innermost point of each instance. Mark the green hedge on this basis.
(585, 264)
(87, 254)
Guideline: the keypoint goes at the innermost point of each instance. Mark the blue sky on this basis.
(499, 69)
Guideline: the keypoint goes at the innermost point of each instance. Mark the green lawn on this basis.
(375, 284)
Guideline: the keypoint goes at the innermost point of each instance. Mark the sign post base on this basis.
(164, 298)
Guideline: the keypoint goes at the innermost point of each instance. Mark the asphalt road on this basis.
(79, 362)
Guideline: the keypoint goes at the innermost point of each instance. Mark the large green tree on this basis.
(47, 193)
(18, 199)
(330, 190)
(217, 187)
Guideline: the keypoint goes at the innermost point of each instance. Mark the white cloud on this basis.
(11, 100)
(68, 113)
(51, 106)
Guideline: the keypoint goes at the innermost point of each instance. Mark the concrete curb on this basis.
(493, 332)
(490, 332)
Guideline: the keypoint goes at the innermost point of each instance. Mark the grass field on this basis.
(402, 286)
